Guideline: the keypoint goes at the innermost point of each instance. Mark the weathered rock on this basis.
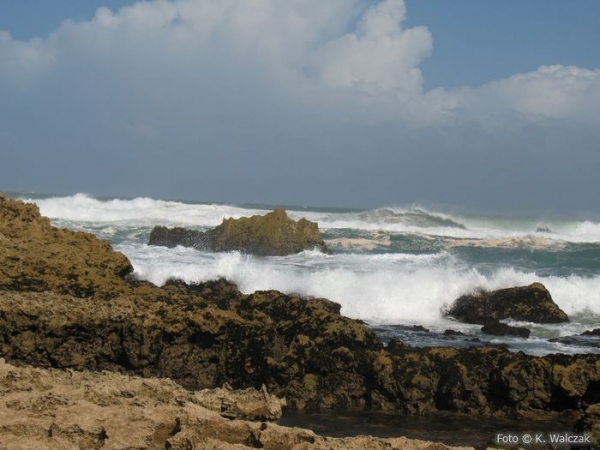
(531, 303)
(590, 424)
(208, 334)
(273, 234)
(35, 256)
(497, 328)
(249, 404)
(52, 409)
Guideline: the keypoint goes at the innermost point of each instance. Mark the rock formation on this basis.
(208, 334)
(53, 409)
(35, 256)
(497, 328)
(531, 303)
(273, 234)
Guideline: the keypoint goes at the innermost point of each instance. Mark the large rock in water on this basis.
(273, 234)
(209, 334)
(531, 303)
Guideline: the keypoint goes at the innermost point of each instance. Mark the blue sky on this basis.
(487, 105)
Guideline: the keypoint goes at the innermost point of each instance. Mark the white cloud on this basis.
(551, 92)
(349, 60)
(380, 57)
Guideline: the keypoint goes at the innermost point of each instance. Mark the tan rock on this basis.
(273, 234)
(36, 256)
(53, 409)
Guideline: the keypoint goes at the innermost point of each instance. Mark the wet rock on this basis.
(594, 332)
(451, 333)
(273, 234)
(590, 338)
(497, 328)
(207, 334)
(531, 303)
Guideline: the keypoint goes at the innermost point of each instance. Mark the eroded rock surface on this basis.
(531, 303)
(273, 234)
(53, 409)
(35, 256)
(208, 334)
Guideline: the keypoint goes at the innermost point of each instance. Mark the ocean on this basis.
(391, 267)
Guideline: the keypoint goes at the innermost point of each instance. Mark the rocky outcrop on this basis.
(208, 334)
(497, 328)
(590, 424)
(35, 256)
(248, 404)
(297, 348)
(52, 409)
(273, 234)
(531, 303)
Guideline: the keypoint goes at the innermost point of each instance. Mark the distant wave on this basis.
(141, 211)
(416, 217)
(487, 229)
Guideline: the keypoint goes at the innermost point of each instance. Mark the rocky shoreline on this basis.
(69, 302)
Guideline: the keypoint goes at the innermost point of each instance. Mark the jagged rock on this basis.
(249, 404)
(273, 234)
(53, 409)
(590, 424)
(531, 303)
(497, 328)
(35, 256)
(207, 334)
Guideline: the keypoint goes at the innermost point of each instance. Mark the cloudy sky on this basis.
(489, 106)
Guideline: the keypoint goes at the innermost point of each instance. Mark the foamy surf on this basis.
(390, 266)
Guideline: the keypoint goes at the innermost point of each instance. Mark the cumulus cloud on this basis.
(252, 84)
(551, 92)
(356, 53)
(379, 57)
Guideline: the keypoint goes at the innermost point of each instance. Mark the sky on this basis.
(486, 106)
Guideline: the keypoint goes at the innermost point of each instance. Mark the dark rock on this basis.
(453, 333)
(273, 234)
(531, 303)
(585, 339)
(497, 328)
(172, 237)
(207, 334)
(594, 332)
(589, 423)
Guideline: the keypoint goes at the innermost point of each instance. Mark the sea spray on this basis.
(391, 265)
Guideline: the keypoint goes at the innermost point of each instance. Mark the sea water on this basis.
(391, 267)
